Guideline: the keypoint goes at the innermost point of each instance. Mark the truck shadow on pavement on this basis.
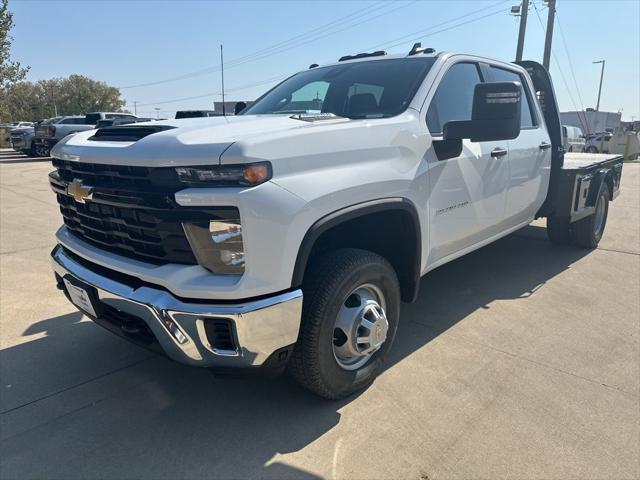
(142, 416)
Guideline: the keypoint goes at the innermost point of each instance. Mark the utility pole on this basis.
(551, 4)
(600, 88)
(135, 108)
(524, 9)
(157, 109)
(224, 113)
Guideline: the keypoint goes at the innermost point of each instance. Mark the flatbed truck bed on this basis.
(585, 161)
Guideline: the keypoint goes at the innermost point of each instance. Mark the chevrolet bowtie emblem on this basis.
(79, 192)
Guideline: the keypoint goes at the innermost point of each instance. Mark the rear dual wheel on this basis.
(349, 321)
(585, 233)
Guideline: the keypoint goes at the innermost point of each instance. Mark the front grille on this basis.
(132, 211)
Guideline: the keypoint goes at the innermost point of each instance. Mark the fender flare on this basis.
(596, 184)
(354, 211)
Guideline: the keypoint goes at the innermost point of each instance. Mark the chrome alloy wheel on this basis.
(599, 220)
(360, 328)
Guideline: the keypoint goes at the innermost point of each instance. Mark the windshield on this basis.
(370, 89)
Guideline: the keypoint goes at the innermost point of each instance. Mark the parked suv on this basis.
(289, 235)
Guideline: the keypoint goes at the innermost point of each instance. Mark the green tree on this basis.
(10, 71)
(24, 102)
(79, 94)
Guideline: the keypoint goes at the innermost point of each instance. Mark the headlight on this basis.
(218, 245)
(226, 175)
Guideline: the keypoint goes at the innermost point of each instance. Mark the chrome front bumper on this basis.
(260, 327)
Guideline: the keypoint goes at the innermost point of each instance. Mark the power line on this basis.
(289, 44)
(555, 59)
(412, 35)
(217, 92)
(386, 44)
(575, 81)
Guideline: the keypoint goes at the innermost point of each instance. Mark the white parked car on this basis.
(573, 139)
(289, 235)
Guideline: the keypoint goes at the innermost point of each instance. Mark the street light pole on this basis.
(600, 87)
(157, 109)
(224, 111)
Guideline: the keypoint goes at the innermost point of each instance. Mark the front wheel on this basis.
(591, 149)
(349, 321)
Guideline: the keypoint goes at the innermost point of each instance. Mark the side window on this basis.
(454, 97)
(526, 112)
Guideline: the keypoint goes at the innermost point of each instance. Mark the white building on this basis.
(592, 121)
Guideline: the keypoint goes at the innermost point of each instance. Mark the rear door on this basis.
(529, 160)
(468, 192)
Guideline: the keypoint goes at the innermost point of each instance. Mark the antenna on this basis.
(224, 113)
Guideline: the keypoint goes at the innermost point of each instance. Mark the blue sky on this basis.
(131, 42)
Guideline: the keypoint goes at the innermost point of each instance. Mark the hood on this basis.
(191, 141)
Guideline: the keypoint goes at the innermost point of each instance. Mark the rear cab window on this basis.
(527, 113)
(92, 118)
(73, 121)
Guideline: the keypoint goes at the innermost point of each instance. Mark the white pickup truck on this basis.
(289, 235)
(50, 132)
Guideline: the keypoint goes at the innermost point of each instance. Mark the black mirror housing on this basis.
(239, 107)
(495, 114)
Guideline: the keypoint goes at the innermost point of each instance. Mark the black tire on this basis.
(591, 149)
(40, 151)
(586, 233)
(570, 149)
(327, 284)
(559, 230)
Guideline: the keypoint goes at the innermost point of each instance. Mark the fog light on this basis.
(218, 247)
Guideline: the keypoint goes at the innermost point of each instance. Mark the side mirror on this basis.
(495, 114)
(240, 106)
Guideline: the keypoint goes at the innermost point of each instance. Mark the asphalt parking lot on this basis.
(521, 360)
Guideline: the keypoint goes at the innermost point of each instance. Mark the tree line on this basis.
(74, 95)
(30, 101)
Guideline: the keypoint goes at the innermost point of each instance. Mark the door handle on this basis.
(545, 145)
(498, 152)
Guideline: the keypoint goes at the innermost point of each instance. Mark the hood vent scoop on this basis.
(127, 134)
